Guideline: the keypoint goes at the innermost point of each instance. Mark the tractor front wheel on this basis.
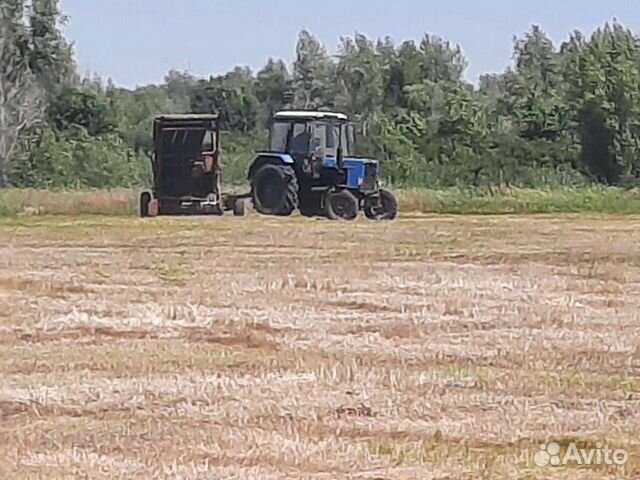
(275, 190)
(383, 207)
(341, 205)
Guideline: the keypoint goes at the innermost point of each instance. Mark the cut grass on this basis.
(431, 347)
(14, 202)
(123, 202)
(522, 201)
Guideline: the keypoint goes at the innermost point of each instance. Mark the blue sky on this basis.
(137, 41)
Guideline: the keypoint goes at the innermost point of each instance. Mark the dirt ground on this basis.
(428, 348)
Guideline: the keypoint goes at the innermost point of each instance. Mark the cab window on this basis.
(300, 139)
(208, 141)
(279, 136)
(328, 137)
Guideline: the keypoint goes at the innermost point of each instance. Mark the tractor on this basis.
(310, 166)
(187, 177)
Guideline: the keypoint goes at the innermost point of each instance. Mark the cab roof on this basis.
(190, 117)
(314, 115)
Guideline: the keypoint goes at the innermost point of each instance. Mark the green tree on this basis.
(272, 88)
(232, 95)
(604, 91)
(313, 73)
(440, 61)
(135, 111)
(83, 108)
(178, 86)
(21, 105)
(50, 55)
(537, 96)
(359, 78)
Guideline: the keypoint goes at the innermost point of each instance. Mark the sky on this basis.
(136, 42)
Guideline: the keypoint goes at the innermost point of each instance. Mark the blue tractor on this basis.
(310, 167)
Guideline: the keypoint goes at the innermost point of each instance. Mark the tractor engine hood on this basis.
(362, 173)
(349, 162)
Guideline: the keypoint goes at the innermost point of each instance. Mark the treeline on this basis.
(560, 115)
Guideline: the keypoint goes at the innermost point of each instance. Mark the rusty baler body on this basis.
(186, 164)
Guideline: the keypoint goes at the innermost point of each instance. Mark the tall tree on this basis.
(441, 61)
(392, 74)
(536, 58)
(232, 95)
(273, 85)
(312, 74)
(607, 86)
(360, 79)
(50, 56)
(179, 86)
(20, 97)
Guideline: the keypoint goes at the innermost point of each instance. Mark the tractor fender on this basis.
(269, 158)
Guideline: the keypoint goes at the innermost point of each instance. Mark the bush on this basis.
(75, 159)
(238, 152)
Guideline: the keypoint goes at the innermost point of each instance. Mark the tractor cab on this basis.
(310, 165)
(312, 138)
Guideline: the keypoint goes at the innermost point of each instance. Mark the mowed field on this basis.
(432, 347)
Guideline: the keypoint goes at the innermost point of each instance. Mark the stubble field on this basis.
(431, 348)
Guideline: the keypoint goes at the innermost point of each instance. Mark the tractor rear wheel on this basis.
(145, 201)
(341, 205)
(384, 208)
(275, 190)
